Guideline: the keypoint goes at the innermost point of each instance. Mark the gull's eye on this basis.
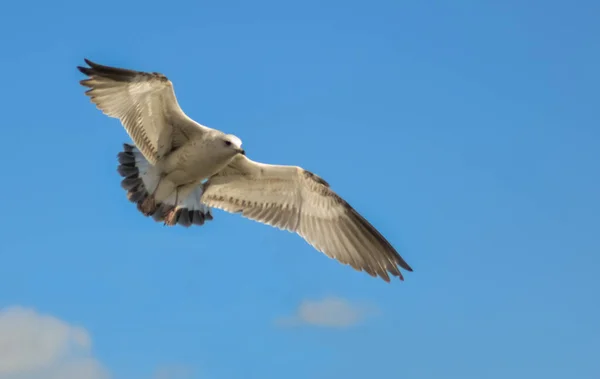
(227, 143)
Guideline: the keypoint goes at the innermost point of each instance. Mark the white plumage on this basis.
(179, 168)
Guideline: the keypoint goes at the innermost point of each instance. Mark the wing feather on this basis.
(146, 105)
(293, 199)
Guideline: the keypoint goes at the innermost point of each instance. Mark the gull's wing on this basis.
(146, 105)
(293, 199)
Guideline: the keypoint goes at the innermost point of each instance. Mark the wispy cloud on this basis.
(37, 346)
(332, 312)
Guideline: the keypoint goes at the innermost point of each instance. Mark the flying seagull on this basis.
(177, 169)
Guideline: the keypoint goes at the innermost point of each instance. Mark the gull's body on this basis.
(179, 168)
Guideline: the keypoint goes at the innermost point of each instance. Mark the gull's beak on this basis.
(242, 151)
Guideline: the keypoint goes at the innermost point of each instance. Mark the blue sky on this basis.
(467, 132)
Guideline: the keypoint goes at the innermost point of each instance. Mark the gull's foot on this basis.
(148, 206)
(171, 216)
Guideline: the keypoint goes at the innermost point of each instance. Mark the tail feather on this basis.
(140, 177)
(128, 171)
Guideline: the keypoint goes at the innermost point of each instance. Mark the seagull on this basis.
(176, 170)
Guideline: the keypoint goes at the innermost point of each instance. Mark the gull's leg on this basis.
(171, 216)
(149, 206)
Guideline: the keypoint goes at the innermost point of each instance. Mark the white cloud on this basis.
(37, 346)
(332, 312)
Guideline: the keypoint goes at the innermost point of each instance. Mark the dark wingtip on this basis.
(403, 263)
(113, 73)
(96, 66)
(85, 70)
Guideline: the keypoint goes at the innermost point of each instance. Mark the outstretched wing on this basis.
(146, 105)
(293, 199)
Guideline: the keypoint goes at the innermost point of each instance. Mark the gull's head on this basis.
(234, 143)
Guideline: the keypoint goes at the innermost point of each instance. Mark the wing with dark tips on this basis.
(146, 105)
(293, 199)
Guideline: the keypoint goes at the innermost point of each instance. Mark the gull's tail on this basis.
(140, 178)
